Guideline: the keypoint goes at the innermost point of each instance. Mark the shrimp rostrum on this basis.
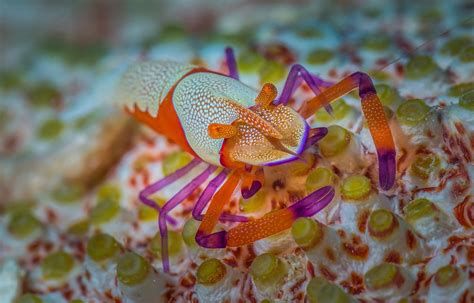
(237, 130)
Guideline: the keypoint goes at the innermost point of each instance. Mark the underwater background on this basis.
(72, 162)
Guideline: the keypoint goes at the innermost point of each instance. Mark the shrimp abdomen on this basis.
(146, 83)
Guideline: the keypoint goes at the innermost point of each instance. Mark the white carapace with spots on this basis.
(201, 98)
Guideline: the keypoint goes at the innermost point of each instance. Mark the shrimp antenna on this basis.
(426, 43)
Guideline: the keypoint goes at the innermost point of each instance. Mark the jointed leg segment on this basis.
(315, 134)
(144, 195)
(270, 224)
(206, 196)
(280, 220)
(171, 204)
(214, 211)
(251, 182)
(297, 72)
(373, 112)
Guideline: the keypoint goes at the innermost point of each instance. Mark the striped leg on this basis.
(171, 204)
(373, 112)
(270, 224)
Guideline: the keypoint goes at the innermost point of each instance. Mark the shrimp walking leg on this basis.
(231, 63)
(206, 197)
(374, 113)
(315, 134)
(270, 224)
(147, 192)
(172, 203)
(296, 73)
(215, 210)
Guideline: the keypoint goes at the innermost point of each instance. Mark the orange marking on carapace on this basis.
(217, 204)
(270, 224)
(167, 122)
(225, 157)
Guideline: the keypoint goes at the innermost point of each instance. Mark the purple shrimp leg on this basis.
(298, 71)
(315, 134)
(254, 188)
(206, 197)
(171, 204)
(145, 193)
(321, 82)
(313, 203)
(231, 63)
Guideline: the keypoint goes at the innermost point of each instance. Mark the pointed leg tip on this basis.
(315, 134)
(324, 192)
(386, 182)
(329, 110)
(314, 202)
(215, 240)
(323, 131)
(247, 193)
(387, 169)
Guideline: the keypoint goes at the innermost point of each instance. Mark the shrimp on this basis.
(238, 130)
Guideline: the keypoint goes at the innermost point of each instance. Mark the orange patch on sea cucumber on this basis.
(411, 240)
(356, 248)
(362, 220)
(329, 252)
(328, 274)
(393, 257)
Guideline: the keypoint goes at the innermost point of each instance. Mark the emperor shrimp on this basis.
(237, 130)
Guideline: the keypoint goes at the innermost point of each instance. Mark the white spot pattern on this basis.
(288, 122)
(253, 148)
(146, 83)
(204, 98)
